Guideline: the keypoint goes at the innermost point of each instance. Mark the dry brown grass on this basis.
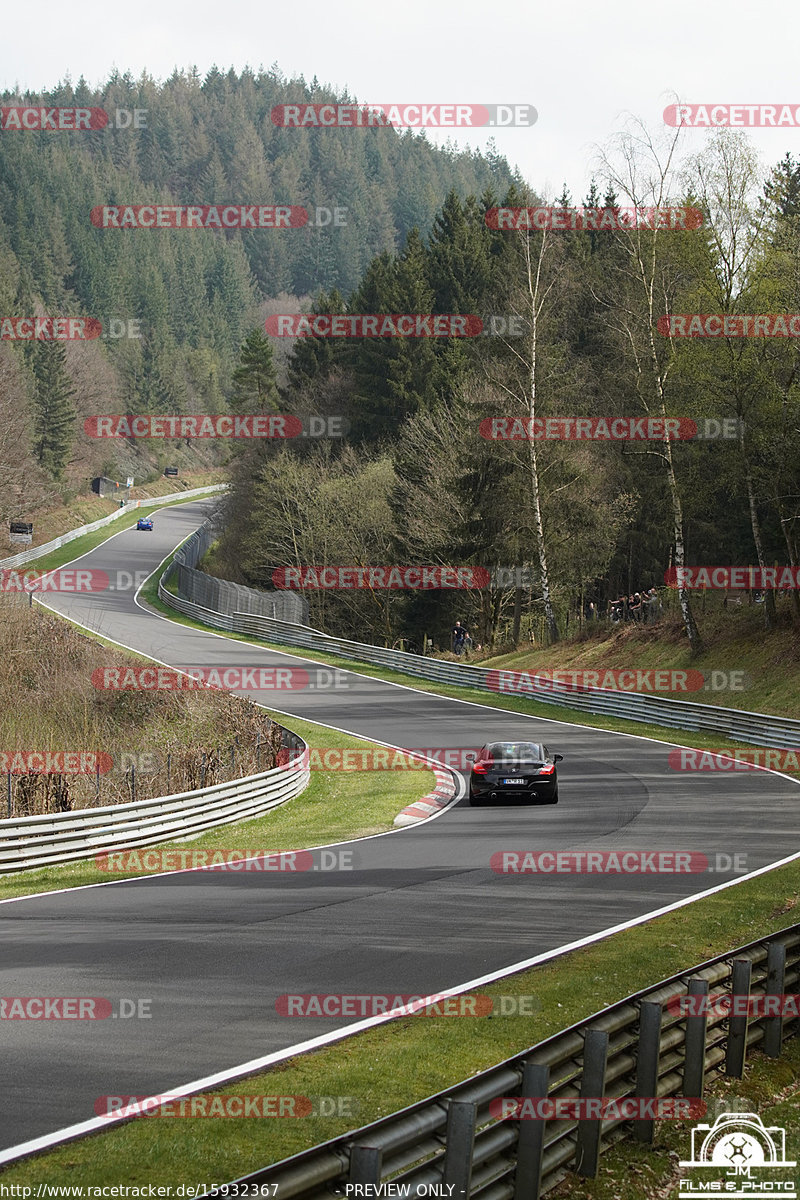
(174, 741)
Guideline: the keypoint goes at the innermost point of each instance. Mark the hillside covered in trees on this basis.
(580, 320)
(176, 305)
(422, 480)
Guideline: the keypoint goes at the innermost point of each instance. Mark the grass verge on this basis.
(631, 1171)
(747, 667)
(336, 806)
(510, 703)
(89, 541)
(381, 1070)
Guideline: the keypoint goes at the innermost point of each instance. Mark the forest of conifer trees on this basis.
(415, 479)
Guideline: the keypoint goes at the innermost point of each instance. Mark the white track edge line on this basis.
(70, 1133)
(323, 724)
(94, 1125)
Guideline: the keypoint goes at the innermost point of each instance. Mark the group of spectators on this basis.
(461, 641)
(644, 607)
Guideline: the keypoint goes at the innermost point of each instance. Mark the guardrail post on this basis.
(776, 981)
(459, 1140)
(736, 1048)
(530, 1143)
(365, 1164)
(593, 1082)
(694, 1059)
(647, 1062)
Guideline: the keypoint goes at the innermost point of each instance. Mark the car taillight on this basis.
(547, 770)
(479, 768)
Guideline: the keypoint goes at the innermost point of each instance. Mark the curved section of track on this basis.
(420, 911)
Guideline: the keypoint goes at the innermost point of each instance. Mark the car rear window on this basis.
(516, 752)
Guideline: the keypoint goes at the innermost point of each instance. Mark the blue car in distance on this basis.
(145, 523)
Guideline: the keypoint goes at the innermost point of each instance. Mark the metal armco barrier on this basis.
(220, 595)
(757, 729)
(40, 841)
(26, 556)
(639, 1047)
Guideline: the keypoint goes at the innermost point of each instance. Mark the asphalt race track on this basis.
(421, 910)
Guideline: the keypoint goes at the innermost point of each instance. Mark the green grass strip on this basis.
(376, 1072)
(383, 1069)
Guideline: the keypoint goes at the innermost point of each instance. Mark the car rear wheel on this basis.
(475, 801)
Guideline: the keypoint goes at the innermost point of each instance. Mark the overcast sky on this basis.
(583, 65)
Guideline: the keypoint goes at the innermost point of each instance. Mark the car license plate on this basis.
(518, 782)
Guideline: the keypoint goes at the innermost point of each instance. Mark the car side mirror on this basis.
(558, 758)
(470, 758)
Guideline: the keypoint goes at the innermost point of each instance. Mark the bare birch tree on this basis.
(644, 174)
(725, 177)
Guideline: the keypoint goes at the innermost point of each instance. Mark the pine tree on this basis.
(782, 189)
(254, 385)
(313, 358)
(54, 420)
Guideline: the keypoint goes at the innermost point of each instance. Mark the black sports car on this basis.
(504, 770)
